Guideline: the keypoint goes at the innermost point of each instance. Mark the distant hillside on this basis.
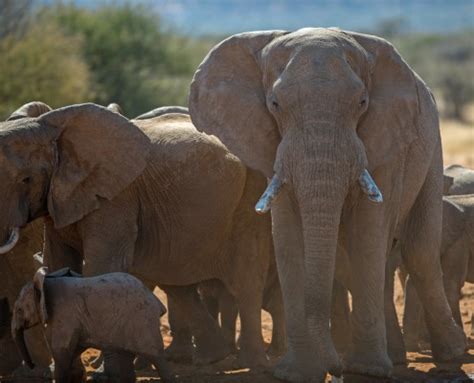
(201, 17)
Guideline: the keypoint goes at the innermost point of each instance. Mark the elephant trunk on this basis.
(12, 239)
(320, 199)
(19, 338)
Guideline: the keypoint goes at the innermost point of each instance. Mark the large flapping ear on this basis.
(391, 121)
(99, 154)
(38, 282)
(227, 99)
(32, 109)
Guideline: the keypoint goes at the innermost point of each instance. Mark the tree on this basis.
(42, 65)
(132, 61)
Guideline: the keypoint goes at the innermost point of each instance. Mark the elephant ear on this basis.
(227, 99)
(99, 153)
(38, 282)
(32, 109)
(391, 121)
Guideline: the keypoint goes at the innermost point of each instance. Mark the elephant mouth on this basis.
(366, 183)
(11, 240)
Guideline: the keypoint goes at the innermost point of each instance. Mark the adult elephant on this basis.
(17, 267)
(155, 198)
(313, 110)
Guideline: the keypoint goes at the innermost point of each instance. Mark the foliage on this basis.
(42, 65)
(132, 60)
(121, 52)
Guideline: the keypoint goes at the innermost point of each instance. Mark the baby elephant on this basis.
(109, 312)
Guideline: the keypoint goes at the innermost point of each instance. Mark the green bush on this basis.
(42, 65)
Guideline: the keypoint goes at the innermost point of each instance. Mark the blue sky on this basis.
(229, 16)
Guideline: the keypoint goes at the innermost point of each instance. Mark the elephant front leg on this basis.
(210, 343)
(368, 231)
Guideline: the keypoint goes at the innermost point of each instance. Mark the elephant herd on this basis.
(329, 130)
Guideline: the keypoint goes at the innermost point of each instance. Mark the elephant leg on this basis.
(297, 364)
(181, 348)
(420, 250)
(63, 361)
(275, 307)
(210, 343)
(118, 366)
(415, 332)
(395, 345)
(252, 351)
(455, 264)
(341, 331)
(163, 368)
(368, 233)
(229, 311)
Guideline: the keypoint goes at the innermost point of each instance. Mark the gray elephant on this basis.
(17, 267)
(314, 110)
(155, 198)
(161, 111)
(111, 311)
(455, 254)
(219, 301)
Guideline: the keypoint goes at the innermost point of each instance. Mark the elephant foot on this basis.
(371, 363)
(277, 347)
(211, 353)
(449, 344)
(397, 356)
(179, 353)
(23, 372)
(252, 358)
(301, 368)
(142, 364)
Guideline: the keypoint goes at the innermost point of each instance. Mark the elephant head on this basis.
(63, 164)
(29, 311)
(31, 109)
(314, 110)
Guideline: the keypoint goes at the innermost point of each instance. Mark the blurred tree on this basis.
(446, 63)
(14, 16)
(42, 65)
(132, 61)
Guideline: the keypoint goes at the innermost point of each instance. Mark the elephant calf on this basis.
(112, 312)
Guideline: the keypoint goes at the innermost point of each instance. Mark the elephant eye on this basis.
(26, 180)
(275, 104)
(363, 102)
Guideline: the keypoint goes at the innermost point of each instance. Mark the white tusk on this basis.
(11, 242)
(369, 187)
(264, 204)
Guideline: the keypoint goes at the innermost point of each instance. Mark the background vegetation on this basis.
(121, 52)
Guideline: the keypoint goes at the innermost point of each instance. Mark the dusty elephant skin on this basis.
(110, 311)
(18, 267)
(312, 109)
(155, 198)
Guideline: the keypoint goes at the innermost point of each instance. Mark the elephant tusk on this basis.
(11, 242)
(271, 192)
(369, 187)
